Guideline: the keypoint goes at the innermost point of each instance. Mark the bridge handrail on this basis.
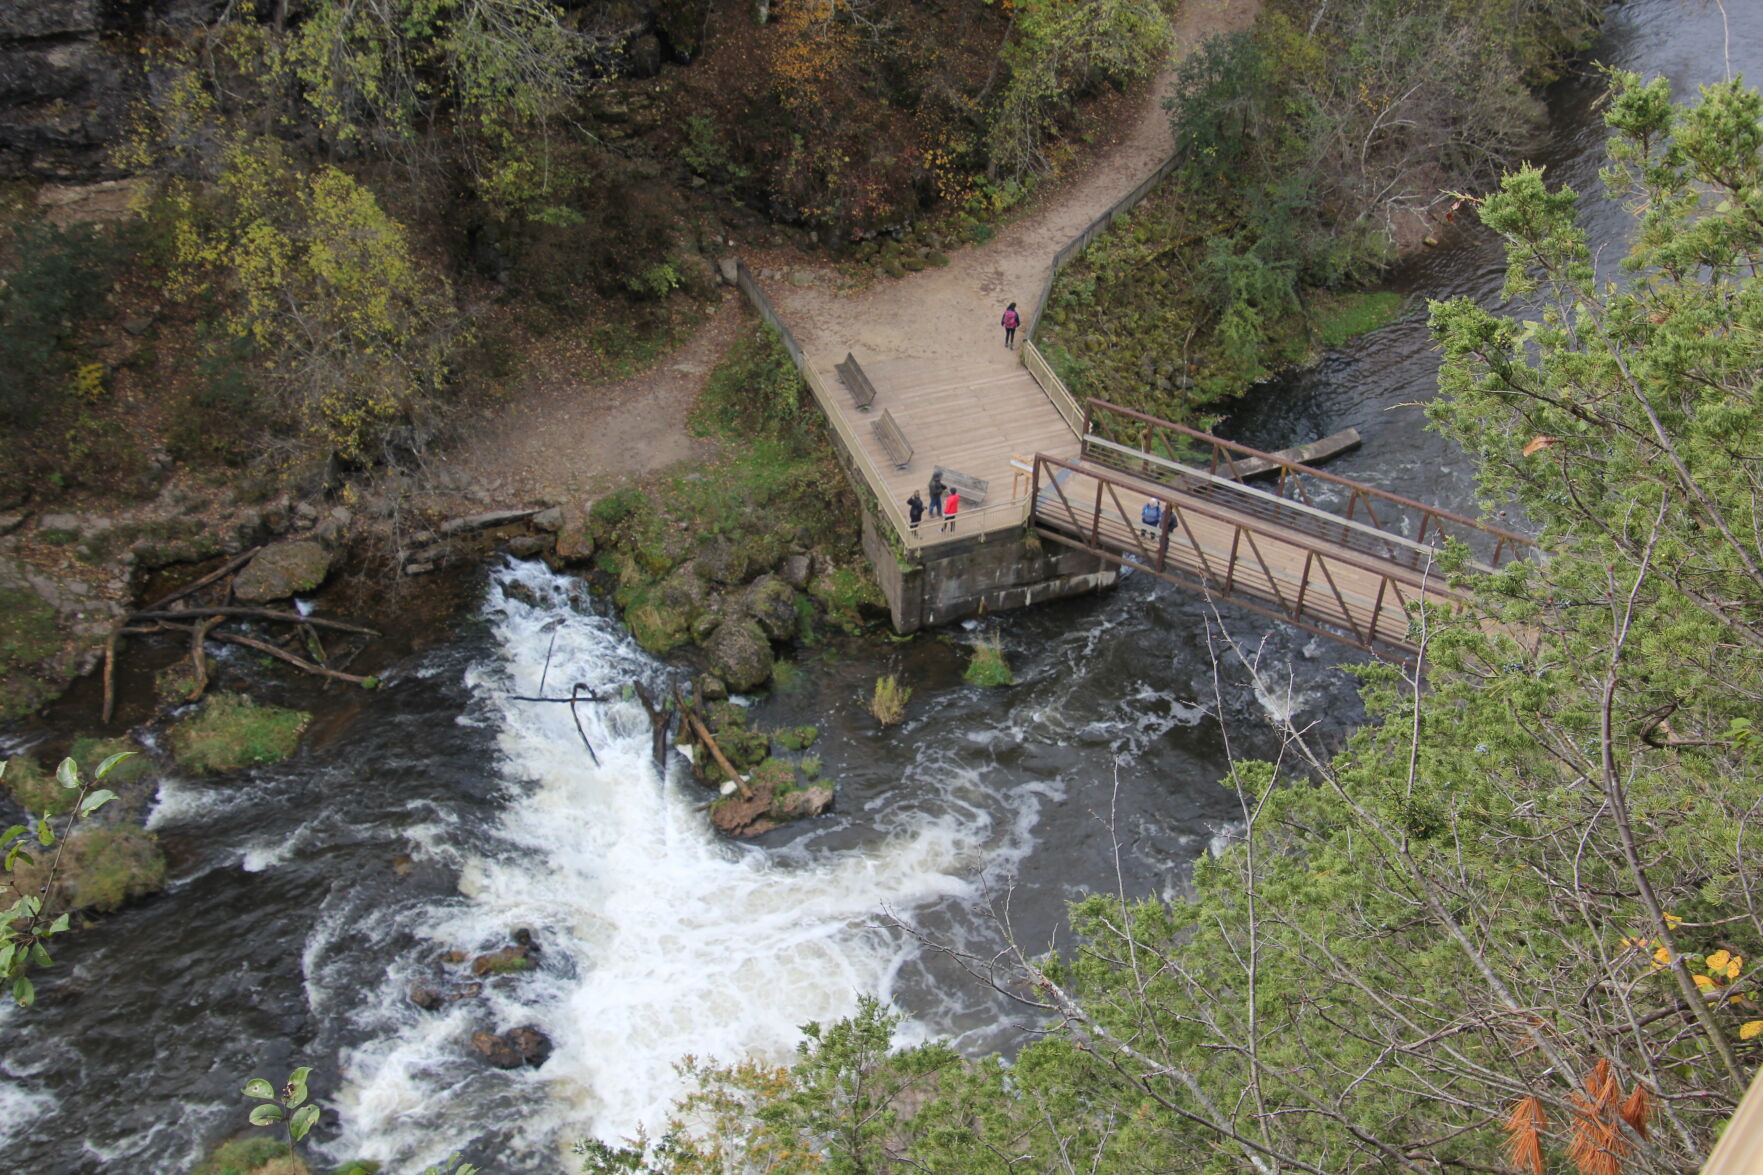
(1237, 487)
(1053, 386)
(1200, 506)
(1311, 471)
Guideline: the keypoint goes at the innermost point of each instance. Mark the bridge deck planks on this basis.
(966, 415)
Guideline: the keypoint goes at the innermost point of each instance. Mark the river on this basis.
(294, 929)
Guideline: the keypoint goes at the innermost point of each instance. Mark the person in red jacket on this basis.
(951, 505)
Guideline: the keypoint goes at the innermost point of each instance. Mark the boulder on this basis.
(426, 998)
(685, 590)
(711, 688)
(721, 560)
(525, 1045)
(282, 569)
(506, 961)
(740, 654)
(796, 570)
(728, 270)
(528, 546)
(772, 604)
(734, 816)
(799, 805)
(575, 545)
(550, 520)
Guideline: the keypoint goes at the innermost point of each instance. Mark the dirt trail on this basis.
(559, 440)
(954, 311)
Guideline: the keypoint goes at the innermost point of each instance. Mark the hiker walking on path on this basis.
(914, 510)
(936, 494)
(1010, 322)
(951, 507)
(1151, 517)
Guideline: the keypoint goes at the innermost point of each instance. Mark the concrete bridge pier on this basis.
(973, 577)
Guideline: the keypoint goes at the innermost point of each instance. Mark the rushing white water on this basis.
(659, 939)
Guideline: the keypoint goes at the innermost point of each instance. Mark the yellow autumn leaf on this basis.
(1735, 966)
(1672, 920)
(1662, 957)
(1717, 960)
(1703, 982)
(1750, 1028)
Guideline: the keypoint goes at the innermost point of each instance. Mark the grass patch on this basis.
(888, 702)
(797, 738)
(1336, 318)
(988, 669)
(810, 766)
(232, 731)
(249, 1156)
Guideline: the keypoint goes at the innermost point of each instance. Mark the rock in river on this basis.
(281, 570)
(740, 654)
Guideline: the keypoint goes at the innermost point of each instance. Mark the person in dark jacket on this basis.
(914, 510)
(1010, 322)
(937, 491)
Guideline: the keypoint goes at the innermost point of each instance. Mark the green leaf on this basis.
(69, 774)
(112, 761)
(96, 800)
(40, 956)
(60, 925)
(302, 1121)
(260, 1089)
(7, 951)
(295, 1091)
(13, 833)
(45, 834)
(266, 1114)
(24, 993)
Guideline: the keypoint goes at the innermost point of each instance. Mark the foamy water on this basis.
(659, 939)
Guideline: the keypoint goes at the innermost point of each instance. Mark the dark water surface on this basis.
(287, 937)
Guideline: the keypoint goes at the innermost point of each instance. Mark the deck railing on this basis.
(1055, 387)
(1373, 521)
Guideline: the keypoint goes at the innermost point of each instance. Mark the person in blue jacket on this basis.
(1151, 517)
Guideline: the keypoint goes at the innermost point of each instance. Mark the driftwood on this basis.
(221, 572)
(703, 734)
(659, 725)
(576, 714)
(276, 651)
(109, 676)
(251, 614)
(198, 663)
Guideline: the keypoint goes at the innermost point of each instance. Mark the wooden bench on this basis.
(893, 440)
(973, 489)
(851, 375)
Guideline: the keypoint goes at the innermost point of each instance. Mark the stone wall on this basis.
(1004, 570)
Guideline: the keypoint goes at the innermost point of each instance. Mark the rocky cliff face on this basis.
(67, 74)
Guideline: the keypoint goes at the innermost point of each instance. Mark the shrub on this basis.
(888, 703)
(58, 276)
(988, 668)
(233, 731)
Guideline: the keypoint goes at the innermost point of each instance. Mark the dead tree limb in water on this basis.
(659, 725)
(251, 614)
(231, 565)
(198, 663)
(233, 638)
(110, 674)
(576, 714)
(703, 734)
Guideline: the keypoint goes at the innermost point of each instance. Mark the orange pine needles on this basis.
(1597, 1145)
(1524, 1125)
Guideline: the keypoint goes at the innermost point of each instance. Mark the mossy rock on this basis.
(936, 259)
(231, 731)
(35, 790)
(892, 267)
(797, 738)
(745, 749)
(778, 776)
(913, 264)
(255, 1154)
(90, 754)
(725, 715)
(658, 628)
(101, 867)
(740, 653)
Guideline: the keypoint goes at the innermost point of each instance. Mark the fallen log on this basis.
(225, 569)
(1332, 445)
(198, 663)
(240, 610)
(575, 714)
(659, 725)
(704, 736)
(276, 651)
(109, 675)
